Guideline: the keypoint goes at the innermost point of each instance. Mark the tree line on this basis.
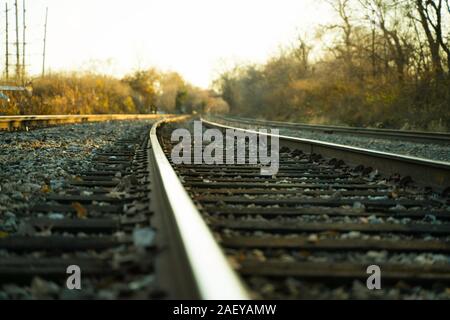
(143, 91)
(384, 63)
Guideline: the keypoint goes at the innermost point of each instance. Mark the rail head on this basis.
(213, 275)
(435, 174)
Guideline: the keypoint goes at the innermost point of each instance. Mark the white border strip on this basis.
(213, 275)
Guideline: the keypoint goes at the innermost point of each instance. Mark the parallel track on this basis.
(404, 135)
(429, 173)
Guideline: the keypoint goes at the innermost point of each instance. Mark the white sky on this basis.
(192, 37)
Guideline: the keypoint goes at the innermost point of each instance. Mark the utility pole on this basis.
(45, 42)
(7, 45)
(23, 43)
(17, 43)
(373, 45)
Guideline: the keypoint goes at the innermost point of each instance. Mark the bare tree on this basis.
(397, 44)
(430, 13)
(342, 8)
(301, 51)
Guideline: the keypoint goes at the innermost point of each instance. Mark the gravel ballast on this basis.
(39, 163)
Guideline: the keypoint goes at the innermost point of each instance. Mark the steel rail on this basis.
(429, 173)
(405, 135)
(24, 122)
(212, 275)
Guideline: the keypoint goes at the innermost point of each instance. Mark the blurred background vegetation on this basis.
(384, 64)
(146, 91)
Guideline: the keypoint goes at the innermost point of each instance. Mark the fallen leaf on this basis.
(45, 188)
(3, 234)
(81, 211)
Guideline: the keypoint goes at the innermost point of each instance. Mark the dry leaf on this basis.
(81, 211)
(45, 188)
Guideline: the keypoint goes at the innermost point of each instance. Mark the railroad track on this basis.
(312, 230)
(149, 228)
(121, 224)
(403, 135)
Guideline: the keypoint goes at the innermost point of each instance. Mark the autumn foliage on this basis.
(385, 63)
(144, 91)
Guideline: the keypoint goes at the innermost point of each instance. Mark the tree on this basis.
(180, 101)
(430, 13)
(385, 14)
(145, 85)
(170, 85)
(345, 50)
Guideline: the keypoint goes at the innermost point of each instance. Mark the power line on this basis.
(23, 42)
(17, 41)
(20, 47)
(21, 64)
(45, 42)
(7, 44)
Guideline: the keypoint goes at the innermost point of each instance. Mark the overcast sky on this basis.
(193, 37)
